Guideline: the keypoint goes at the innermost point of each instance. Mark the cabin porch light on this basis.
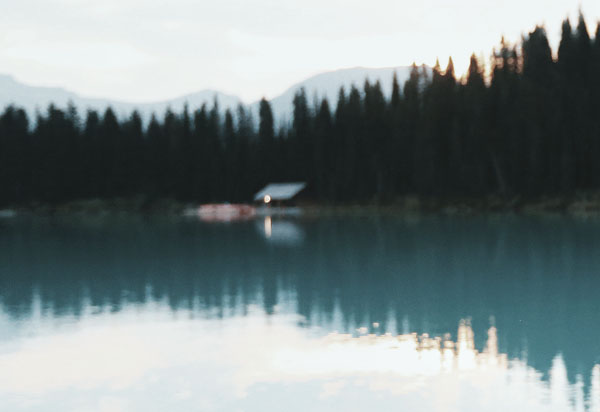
(267, 199)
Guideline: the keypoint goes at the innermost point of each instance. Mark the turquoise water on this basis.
(144, 314)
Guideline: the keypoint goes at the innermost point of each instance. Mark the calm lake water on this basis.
(327, 314)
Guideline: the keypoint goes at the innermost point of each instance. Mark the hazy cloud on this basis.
(149, 50)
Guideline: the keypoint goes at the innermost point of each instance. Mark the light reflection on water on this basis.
(281, 232)
(151, 359)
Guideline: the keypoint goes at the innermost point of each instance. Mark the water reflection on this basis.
(595, 390)
(538, 278)
(268, 227)
(148, 360)
(282, 232)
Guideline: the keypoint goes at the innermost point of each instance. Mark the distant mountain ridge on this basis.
(33, 98)
(327, 85)
(37, 99)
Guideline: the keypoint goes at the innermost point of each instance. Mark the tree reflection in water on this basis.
(536, 277)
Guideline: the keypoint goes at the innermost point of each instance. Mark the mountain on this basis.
(327, 84)
(33, 99)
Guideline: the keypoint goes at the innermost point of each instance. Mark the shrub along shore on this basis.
(584, 205)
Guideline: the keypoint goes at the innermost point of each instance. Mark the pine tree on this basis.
(231, 146)
(246, 154)
(185, 155)
(200, 153)
(376, 142)
(15, 161)
(133, 154)
(171, 131)
(411, 127)
(451, 158)
(583, 104)
(266, 140)
(301, 144)
(91, 156)
(323, 153)
(506, 145)
(595, 108)
(472, 174)
(110, 167)
(395, 99)
(354, 175)
(567, 69)
(157, 158)
(395, 153)
(539, 95)
(214, 151)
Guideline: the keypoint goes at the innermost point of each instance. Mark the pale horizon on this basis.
(136, 51)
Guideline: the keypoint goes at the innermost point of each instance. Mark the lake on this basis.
(300, 314)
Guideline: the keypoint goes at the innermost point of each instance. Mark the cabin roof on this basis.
(280, 191)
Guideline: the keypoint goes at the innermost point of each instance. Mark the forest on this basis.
(525, 124)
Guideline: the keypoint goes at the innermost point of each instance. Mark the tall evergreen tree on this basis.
(214, 151)
(231, 174)
(266, 139)
(376, 143)
(110, 169)
(15, 157)
(324, 152)
(473, 173)
(595, 108)
(91, 156)
(301, 145)
(133, 153)
(539, 96)
(411, 124)
(506, 146)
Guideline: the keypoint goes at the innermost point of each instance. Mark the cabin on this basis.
(280, 194)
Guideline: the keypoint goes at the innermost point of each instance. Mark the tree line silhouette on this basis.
(529, 126)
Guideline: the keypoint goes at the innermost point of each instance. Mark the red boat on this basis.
(225, 212)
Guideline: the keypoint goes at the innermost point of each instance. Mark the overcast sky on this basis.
(143, 50)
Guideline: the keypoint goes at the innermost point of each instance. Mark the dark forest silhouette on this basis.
(530, 127)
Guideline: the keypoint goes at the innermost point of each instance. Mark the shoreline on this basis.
(586, 205)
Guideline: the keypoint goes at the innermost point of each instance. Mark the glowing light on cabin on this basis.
(267, 199)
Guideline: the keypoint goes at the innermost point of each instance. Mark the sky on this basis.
(148, 50)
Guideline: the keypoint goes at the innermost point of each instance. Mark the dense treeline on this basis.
(531, 126)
